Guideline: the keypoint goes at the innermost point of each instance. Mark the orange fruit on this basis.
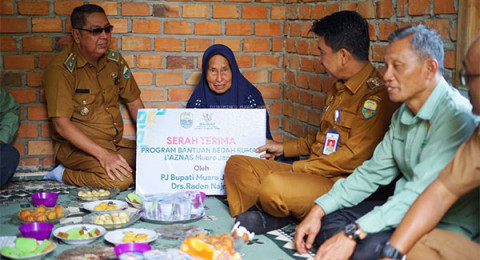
(30, 218)
(41, 218)
(51, 214)
(59, 210)
(24, 213)
(41, 208)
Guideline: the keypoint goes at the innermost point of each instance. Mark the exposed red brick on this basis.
(37, 43)
(66, 7)
(225, 11)
(33, 8)
(196, 10)
(135, 9)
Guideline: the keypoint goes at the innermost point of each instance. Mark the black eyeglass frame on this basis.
(465, 78)
(97, 31)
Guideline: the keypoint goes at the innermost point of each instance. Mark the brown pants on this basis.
(271, 187)
(82, 169)
(441, 244)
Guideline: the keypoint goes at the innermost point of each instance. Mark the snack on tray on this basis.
(41, 213)
(27, 247)
(134, 198)
(93, 193)
(105, 206)
(241, 233)
(110, 219)
(210, 246)
(79, 233)
(131, 237)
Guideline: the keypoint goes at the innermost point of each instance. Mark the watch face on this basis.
(350, 229)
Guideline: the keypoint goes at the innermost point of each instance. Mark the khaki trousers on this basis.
(82, 169)
(271, 187)
(441, 244)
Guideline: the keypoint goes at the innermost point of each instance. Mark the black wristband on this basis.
(391, 252)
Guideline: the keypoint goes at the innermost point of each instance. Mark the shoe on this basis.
(260, 222)
(55, 174)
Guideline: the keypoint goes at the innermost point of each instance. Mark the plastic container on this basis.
(48, 199)
(131, 248)
(37, 230)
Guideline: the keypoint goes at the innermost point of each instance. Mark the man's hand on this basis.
(114, 165)
(337, 247)
(272, 149)
(309, 227)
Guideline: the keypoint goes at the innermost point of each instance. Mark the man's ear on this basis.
(345, 56)
(76, 36)
(431, 66)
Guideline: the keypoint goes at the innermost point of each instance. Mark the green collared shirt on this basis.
(417, 147)
(9, 116)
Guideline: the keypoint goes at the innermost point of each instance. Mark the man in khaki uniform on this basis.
(355, 118)
(83, 85)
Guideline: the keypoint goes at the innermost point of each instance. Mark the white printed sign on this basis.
(186, 149)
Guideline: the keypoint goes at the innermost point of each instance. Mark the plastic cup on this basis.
(183, 209)
(166, 209)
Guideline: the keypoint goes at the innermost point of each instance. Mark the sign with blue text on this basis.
(186, 149)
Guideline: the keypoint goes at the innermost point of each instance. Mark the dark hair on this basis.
(347, 30)
(78, 17)
(426, 42)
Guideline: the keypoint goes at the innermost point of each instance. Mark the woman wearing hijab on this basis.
(222, 84)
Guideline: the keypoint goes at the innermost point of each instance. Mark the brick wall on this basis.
(163, 42)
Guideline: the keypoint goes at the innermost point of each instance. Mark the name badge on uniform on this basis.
(331, 138)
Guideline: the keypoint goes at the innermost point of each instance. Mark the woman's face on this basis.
(219, 74)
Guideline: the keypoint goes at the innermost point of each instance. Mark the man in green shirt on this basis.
(9, 120)
(424, 135)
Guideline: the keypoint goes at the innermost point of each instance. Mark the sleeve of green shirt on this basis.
(9, 116)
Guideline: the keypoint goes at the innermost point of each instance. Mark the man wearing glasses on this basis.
(83, 85)
(455, 225)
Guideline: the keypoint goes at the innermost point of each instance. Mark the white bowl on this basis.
(116, 237)
(82, 241)
(91, 205)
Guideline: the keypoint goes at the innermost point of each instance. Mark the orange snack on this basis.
(211, 247)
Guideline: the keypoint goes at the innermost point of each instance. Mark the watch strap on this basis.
(391, 252)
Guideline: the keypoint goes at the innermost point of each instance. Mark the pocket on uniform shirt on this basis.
(344, 126)
(83, 105)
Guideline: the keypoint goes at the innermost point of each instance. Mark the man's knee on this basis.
(120, 184)
(271, 196)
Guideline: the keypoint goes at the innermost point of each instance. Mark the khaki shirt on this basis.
(89, 96)
(364, 119)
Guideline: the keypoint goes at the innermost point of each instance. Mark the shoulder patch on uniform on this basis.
(70, 62)
(369, 108)
(375, 82)
(113, 55)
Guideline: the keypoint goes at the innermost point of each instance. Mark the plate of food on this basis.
(79, 234)
(179, 231)
(93, 193)
(112, 220)
(131, 235)
(28, 249)
(42, 214)
(105, 206)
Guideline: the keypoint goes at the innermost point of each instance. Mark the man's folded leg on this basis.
(82, 169)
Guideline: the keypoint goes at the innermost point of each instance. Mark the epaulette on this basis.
(375, 82)
(70, 62)
(113, 55)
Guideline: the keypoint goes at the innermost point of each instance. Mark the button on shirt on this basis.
(417, 147)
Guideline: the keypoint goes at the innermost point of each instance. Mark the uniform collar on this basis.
(81, 61)
(355, 82)
(429, 107)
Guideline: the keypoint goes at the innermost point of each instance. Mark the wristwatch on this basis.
(353, 232)
(391, 252)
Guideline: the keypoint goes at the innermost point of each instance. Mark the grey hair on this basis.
(426, 42)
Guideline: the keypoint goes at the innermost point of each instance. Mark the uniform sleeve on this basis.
(9, 116)
(129, 90)
(447, 135)
(59, 87)
(462, 174)
(365, 134)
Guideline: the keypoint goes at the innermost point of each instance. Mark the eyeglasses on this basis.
(97, 31)
(465, 78)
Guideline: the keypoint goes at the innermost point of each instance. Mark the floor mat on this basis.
(19, 191)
